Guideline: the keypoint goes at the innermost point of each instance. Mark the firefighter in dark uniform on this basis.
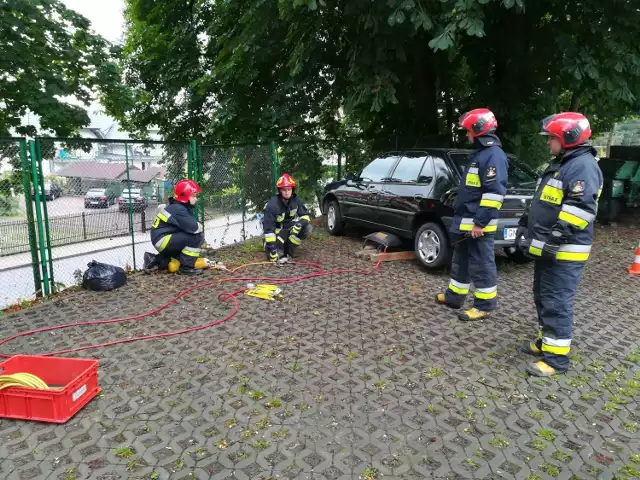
(286, 221)
(477, 208)
(558, 233)
(177, 234)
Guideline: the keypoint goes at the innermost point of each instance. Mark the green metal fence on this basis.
(20, 278)
(67, 201)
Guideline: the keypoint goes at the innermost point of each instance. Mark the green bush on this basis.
(226, 199)
(8, 206)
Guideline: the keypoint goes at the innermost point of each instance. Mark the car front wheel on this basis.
(432, 246)
(335, 223)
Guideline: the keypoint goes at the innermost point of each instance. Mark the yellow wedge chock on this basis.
(266, 292)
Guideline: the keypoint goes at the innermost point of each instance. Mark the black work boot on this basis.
(190, 271)
(150, 263)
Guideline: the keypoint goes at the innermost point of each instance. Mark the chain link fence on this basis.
(101, 200)
(237, 181)
(67, 201)
(20, 272)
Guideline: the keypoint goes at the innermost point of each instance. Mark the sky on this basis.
(106, 16)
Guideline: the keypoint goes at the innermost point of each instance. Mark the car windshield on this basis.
(519, 175)
(96, 190)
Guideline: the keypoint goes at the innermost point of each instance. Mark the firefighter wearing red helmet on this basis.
(286, 221)
(476, 212)
(176, 233)
(558, 232)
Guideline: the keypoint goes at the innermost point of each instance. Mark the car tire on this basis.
(335, 223)
(517, 256)
(431, 245)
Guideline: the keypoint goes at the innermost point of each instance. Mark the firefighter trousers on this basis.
(473, 261)
(286, 241)
(554, 290)
(181, 245)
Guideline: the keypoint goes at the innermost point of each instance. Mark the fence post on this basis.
(133, 238)
(200, 160)
(243, 201)
(84, 226)
(275, 165)
(41, 233)
(143, 219)
(43, 199)
(31, 227)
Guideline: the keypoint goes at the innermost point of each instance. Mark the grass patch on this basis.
(546, 434)
(537, 414)
(370, 473)
(124, 452)
(498, 443)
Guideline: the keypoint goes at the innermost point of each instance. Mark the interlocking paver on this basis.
(350, 372)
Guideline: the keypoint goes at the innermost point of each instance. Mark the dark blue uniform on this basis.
(177, 234)
(478, 202)
(560, 226)
(285, 225)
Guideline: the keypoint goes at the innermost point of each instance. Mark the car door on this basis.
(360, 196)
(406, 192)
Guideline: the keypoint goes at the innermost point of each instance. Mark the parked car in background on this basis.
(411, 194)
(100, 198)
(51, 190)
(133, 197)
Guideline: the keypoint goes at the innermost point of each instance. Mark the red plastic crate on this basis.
(77, 377)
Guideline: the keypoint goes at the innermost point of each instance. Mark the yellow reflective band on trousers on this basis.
(295, 240)
(486, 293)
(459, 288)
(162, 243)
(191, 251)
(269, 237)
(556, 346)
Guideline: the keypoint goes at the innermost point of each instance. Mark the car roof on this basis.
(438, 149)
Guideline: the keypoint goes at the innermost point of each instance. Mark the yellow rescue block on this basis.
(266, 292)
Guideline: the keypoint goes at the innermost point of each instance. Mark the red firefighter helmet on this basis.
(184, 189)
(285, 181)
(570, 128)
(479, 121)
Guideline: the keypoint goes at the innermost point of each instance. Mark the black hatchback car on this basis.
(411, 193)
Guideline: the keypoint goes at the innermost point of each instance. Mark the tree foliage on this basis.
(395, 73)
(48, 55)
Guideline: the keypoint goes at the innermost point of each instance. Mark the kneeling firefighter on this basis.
(286, 221)
(477, 208)
(558, 232)
(176, 233)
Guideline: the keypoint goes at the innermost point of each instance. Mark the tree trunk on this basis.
(426, 92)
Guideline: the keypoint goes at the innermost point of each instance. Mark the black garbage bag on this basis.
(102, 277)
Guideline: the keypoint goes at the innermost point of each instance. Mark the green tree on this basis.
(396, 73)
(47, 55)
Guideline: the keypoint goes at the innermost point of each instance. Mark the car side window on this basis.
(444, 175)
(408, 169)
(378, 170)
(427, 174)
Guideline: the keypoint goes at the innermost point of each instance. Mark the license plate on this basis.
(95, 203)
(510, 233)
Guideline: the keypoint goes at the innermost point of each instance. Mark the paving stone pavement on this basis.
(351, 376)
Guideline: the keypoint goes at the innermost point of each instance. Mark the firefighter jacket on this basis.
(482, 188)
(278, 216)
(565, 204)
(175, 217)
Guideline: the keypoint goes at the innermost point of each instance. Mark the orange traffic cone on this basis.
(635, 266)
